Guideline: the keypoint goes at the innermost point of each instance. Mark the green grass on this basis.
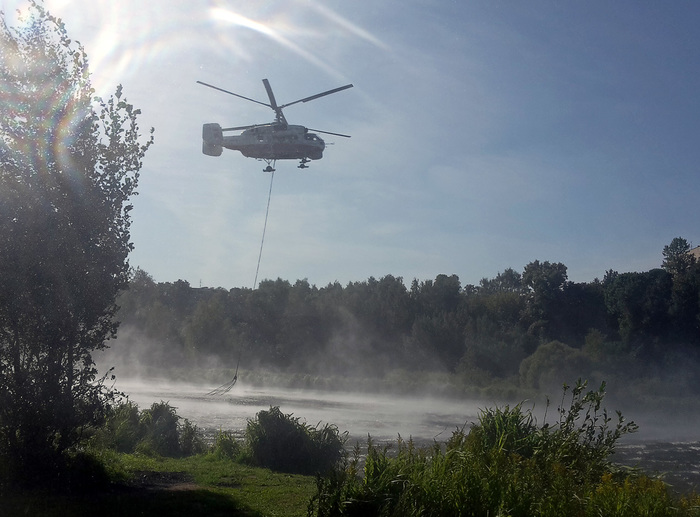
(216, 487)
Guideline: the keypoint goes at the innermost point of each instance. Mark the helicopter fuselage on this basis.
(276, 143)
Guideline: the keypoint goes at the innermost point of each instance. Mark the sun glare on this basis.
(274, 31)
(124, 38)
(346, 24)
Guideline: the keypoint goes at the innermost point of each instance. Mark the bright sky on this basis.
(485, 134)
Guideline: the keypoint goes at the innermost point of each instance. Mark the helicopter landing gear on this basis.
(269, 168)
(303, 162)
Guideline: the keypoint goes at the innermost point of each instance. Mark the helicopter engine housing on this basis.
(212, 139)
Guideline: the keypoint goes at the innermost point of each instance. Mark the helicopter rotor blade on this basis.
(240, 128)
(273, 103)
(323, 94)
(235, 94)
(328, 133)
(271, 96)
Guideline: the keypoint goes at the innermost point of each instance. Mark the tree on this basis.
(639, 303)
(677, 259)
(68, 166)
(552, 364)
(685, 302)
(544, 278)
(544, 282)
(508, 281)
(209, 330)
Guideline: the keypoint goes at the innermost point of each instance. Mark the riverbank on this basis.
(196, 486)
(666, 445)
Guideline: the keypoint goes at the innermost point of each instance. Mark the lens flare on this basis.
(275, 32)
(122, 46)
(45, 104)
(347, 25)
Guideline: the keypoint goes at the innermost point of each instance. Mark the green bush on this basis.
(226, 446)
(190, 439)
(582, 439)
(153, 431)
(503, 429)
(123, 430)
(281, 442)
(551, 362)
(160, 431)
(504, 465)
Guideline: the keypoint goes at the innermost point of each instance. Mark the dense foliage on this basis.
(505, 465)
(68, 166)
(154, 431)
(284, 443)
(272, 439)
(535, 329)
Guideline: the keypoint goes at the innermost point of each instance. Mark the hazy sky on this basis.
(485, 134)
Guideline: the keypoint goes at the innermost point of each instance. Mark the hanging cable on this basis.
(225, 388)
(267, 211)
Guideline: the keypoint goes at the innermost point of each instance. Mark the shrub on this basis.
(160, 437)
(154, 431)
(226, 446)
(122, 430)
(504, 465)
(503, 429)
(550, 362)
(191, 442)
(582, 439)
(281, 442)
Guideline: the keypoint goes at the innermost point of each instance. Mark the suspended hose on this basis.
(267, 211)
(225, 388)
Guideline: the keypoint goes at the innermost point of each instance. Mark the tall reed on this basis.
(506, 464)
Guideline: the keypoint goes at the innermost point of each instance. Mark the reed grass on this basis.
(506, 465)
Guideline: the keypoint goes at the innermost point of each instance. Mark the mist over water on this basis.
(382, 416)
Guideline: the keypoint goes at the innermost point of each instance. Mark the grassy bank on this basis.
(198, 485)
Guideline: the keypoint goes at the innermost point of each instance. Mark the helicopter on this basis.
(269, 142)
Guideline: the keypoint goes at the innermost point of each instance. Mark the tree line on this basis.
(525, 326)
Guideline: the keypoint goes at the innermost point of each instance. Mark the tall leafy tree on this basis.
(507, 281)
(685, 304)
(544, 283)
(640, 303)
(677, 259)
(69, 164)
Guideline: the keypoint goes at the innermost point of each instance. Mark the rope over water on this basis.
(225, 388)
(267, 211)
